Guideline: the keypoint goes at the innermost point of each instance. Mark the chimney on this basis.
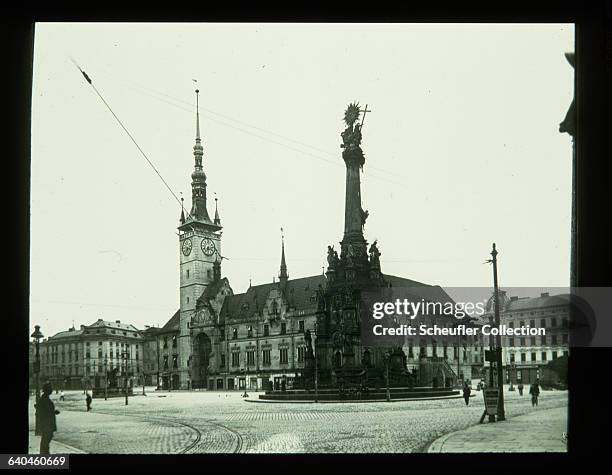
(544, 294)
(82, 327)
(117, 321)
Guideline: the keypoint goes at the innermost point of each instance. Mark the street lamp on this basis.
(125, 355)
(37, 335)
(316, 372)
(387, 375)
(105, 377)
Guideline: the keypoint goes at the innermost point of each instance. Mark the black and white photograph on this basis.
(227, 221)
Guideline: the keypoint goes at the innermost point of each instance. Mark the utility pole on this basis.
(316, 357)
(501, 415)
(387, 376)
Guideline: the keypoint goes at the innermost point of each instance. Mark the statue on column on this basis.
(364, 216)
(374, 254)
(351, 137)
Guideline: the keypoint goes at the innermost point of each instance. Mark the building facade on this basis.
(84, 358)
(524, 358)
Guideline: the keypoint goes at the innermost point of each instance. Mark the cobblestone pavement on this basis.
(541, 431)
(222, 422)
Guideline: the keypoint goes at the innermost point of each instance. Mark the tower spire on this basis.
(283, 276)
(217, 219)
(198, 177)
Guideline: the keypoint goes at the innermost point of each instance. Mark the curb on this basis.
(437, 444)
(56, 447)
(307, 401)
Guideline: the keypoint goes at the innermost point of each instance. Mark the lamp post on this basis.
(105, 377)
(501, 415)
(387, 376)
(316, 368)
(125, 355)
(37, 335)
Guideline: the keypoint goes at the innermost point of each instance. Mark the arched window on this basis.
(367, 358)
(338, 359)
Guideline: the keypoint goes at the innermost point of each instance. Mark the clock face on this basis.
(208, 247)
(187, 247)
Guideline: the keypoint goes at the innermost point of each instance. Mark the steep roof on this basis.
(173, 324)
(116, 325)
(530, 303)
(66, 334)
(300, 293)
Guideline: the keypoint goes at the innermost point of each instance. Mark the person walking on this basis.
(62, 395)
(46, 418)
(520, 388)
(88, 401)
(534, 390)
(466, 393)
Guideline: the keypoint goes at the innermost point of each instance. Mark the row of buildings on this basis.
(270, 346)
(270, 335)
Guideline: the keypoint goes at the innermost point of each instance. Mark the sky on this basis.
(462, 150)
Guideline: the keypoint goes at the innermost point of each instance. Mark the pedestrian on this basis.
(466, 393)
(46, 418)
(61, 398)
(520, 388)
(534, 390)
(88, 401)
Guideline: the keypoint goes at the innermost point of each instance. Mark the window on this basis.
(174, 341)
(250, 331)
(175, 361)
(533, 341)
(222, 361)
(511, 357)
(165, 361)
(521, 323)
(522, 342)
(554, 339)
(544, 356)
(250, 357)
(543, 323)
(234, 333)
(532, 323)
(283, 329)
(510, 341)
(566, 353)
(235, 358)
(266, 356)
(301, 353)
(266, 330)
(284, 355)
(554, 355)
(165, 342)
(301, 326)
(543, 340)
(553, 322)
(533, 356)
(523, 357)
(188, 273)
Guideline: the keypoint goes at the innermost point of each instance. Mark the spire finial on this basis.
(217, 219)
(283, 276)
(197, 91)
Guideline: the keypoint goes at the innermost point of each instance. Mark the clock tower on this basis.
(199, 250)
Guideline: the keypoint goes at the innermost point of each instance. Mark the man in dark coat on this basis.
(466, 393)
(534, 390)
(46, 418)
